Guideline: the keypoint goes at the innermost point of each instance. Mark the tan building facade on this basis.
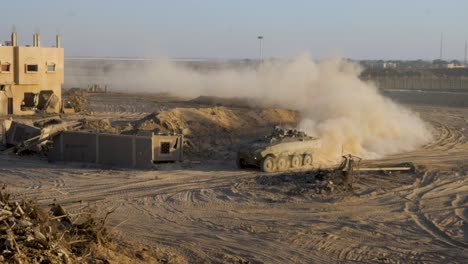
(31, 77)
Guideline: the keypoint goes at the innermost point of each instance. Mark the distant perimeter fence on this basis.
(456, 83)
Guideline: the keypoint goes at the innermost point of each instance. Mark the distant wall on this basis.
(446, 83)
(433, 98)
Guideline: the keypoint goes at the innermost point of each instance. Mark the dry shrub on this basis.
(30, 234)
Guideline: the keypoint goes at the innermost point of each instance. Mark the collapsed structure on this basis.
(31, 77)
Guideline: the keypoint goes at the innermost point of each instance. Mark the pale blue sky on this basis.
(359, 29)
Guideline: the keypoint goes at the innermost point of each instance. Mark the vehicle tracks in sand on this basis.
(421, 219)
(460, 205)
(59, 183)
(188, 190)
(207, 214)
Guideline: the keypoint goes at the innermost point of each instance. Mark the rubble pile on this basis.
(29, 234)
(323, 182)
(150, 122)
(98, 125)
(43, 123)
(312, 184)
(76, 99)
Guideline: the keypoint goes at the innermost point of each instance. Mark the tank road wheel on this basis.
(282, 163)
(307, 161)
(268, 164)
(296, 162)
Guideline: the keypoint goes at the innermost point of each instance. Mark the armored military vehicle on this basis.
(283, 150)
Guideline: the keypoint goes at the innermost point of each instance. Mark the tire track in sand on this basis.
(460, 204)
(413, 208)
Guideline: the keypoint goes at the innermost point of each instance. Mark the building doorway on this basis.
(29, 102)
(10, 106)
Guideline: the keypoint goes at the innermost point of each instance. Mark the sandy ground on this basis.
(212, 212)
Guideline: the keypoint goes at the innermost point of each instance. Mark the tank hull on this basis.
(286, 153)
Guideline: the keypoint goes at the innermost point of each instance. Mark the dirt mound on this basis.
(215, 132)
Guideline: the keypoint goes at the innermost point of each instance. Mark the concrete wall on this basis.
(115, 150)
(73, 146)
(42, 57)
(175, 148)
(108, 149)
(6, 56)
(427, 83)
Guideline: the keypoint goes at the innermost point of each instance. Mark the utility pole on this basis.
(260, 39)
(441, 44)
(465, 54)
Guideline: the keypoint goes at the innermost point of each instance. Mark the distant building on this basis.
(379, 64)
(31, 78)
(454, 65)
(389, 65)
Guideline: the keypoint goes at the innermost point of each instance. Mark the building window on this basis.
(51, 67)
(5, 67)
(32, 68)
(165, 147)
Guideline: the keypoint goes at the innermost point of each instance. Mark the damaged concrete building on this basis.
(31, 77)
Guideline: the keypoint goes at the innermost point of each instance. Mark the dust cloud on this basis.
(349, 115)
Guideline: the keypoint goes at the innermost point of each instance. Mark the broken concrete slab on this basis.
(16, 132)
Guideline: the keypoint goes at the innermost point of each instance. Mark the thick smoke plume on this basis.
(348, 114)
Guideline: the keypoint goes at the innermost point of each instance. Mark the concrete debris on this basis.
(19, 137)
(295, 184)
(75, 102)
(42, 123)
(150, 122)
(15, 132)
(344, 180)
(98, 125)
